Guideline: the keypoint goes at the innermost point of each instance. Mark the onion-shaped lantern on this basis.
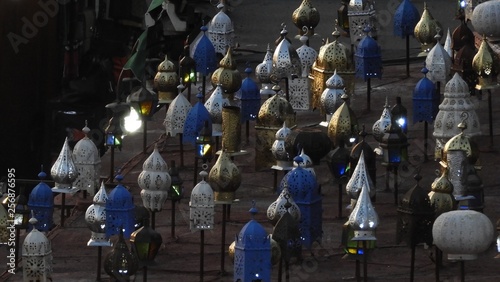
(202, 206)
(484, 19)
(438, 62)
(283, 204)
(485, 64)
(41, 203)
(283, 158)
(304, 190)
(361, 14)
(441, 194)
(358, 180)
(331, 98)
(121, 263)
(425, 100)
(263, 72)
(64, 171)
(37, 256)
(249, 97)
(221, 31)
(214, 106)
(119, 211)
(380, 126)
(368, 58)
(166, 81)
(195, 120)
(95, 216)
(227, 75)
(405, 19)
(224, 178)
(154, 181)
(88, 164)
(252, 254)
(425, 31)
(177, 113)
(343, 125)
(306, 15)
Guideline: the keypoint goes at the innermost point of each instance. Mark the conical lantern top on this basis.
(486, 65)
(306, 15)
(426, 29)
(263, 70)
(343, 124)
(227, 75)
(283, 204)
(64, 171)
(405, 19)
(364, 219)
(359, 179)
(381, 125)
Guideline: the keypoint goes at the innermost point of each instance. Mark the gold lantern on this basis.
(166, 81)
(486, 66)
(306, 15)
(224, 178)
(227, 75)
(425, 31)
(441, 193)
(343, 125)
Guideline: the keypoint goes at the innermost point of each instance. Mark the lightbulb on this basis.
(132, 122)
(401, 122)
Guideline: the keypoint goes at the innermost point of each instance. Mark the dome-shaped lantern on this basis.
(154, 181)
(306, 15)
(64, 171)
(415, 217)
(438, 62)
(202, 206)
(380, 126)
(361, 14)
(331, 98)
(441, 194)
(283, 158)
(456, 101)
(358, 180)
(120, 264)
(364, 219)
(272, 114)
(214, 106)
(425, 100)
(252, 254)
(343, 124)
(406, 18)
(119, 211)
(227, 75)
(485, 20)
(95, 216)
(300, 86)
(455, 233)
(485, 63)
(204, 54)
(283, 204)
(166, 81)
(221, 31)
(88, 164)
(425, 31)
(263, 72)
(332, 56)
(37, 256)
(41, 203)
(368, 58)
(369, 155)
(177, 113)
(462, 34)
(304, 190)
(224, 178)
(249, 97)
(195, 120)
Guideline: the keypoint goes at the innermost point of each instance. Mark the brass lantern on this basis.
(306, 15)
(166, 81)
(121, 263)
(227, 75)
(441, 193)
(425, 31)
(343, 125)
(224, 178)
(486, 65)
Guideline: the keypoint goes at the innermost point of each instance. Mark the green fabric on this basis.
(137, 62)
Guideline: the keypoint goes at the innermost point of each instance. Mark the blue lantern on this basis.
(252, 252)
(304, 190)
(368, 58)
(249, 96)
(120, 211)
(406, 18)
(425, 100)
(204, 54)
(195, 120)
(41, 202)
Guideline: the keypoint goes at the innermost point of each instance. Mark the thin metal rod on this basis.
(396, 185)
(112, 165)
(462, 271)
(490, 117)
(144, 134)
(437, 263)
(99, 257)
(172, 228)
(203, 88)
(153, 219)
(145, 273)
(426, 136)
(368, 94)
(287, 92)
(202, 253)
(412, 264)
(195, 176)
(181, 147)
(223, 240)
(247, 131)
(407, 56)
(287, 272)
(280, 270)
(340, 199)
(358, 271)
(63, 204)
(365, 263)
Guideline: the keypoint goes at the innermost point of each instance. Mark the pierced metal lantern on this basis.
(283, 158)
(283, 204)
(306, 15)
(441, 193)
(204, 54)
(485, 64)
(176, 191)
(119, 211)
(4, 235)
(41, 203)
(304, 190)
(154, 181)
(21, 211)
(456, 101)
(195, 120)
(204, 143)
(214, 106)
(368, 57)
(88, 164)
(231, 129)
(364, 219)
(338, 161)
(114, 132)
(249, 96)
(299, 86)
(343, 125)
(144, 101)
(399, 115)
(415, 217)
(425, 31)
(95, 216)
(145, 244)
(306, 162)
(438, 62)
(358, 180)
(252, 254)
(484, 19)
(380, 126)
(187, 68)
(202, 206)
(369, 155)
(177, 113)
(227, 75)
(447, 44)
(455, 233)
(224, 178)
(394, 144)
(221, 31)
(121, 263)
(287, 234)
(331, 98)
(166, 81)
(64, 171)
(425, 100)
(405, 19)
(263, 72)
(286, 60)
(37, 256)
(462, 34)
(361, 14)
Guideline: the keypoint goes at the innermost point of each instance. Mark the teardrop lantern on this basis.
(64, 171)
(224, 178)
(166, 81)
(154, 181)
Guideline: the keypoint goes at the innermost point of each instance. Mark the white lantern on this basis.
(358, 180)
(154, 181)
(37, 256)
(202, 206)
(214, 105)
(64, 171)
(438, 62)
(278, 208)
(88, 164)
(283, 158)
(220, 31)
(95, 216)
(176, 114)
(381, 125)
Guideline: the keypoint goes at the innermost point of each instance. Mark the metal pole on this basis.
(144, 134)
(247, 131)
(202, 253)
(63, 204)
(172, 228)
(396, 185)
(112, 164)
(436, 249)
(340, 199)
(462, 271)
(195, 176)
(99, 257)
(412, 264)
(181, 147)
(204, 81)
(287, 92)
(407, 56)
(145, 273)
(490, 118)
(280, 270)
(426, 135)
(368, 94)
(223, 240)
(358, 271)
(365, 263)
(153, 220)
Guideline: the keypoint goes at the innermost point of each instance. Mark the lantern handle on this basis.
(204, 166)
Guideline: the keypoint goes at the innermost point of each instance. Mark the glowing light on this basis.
(132, 122)
(401, 122)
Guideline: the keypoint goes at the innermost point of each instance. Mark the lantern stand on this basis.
(145, 243)
(338, 160)
(145, 103)
(175, 193)
(21, 218)
(406, 18)
(203, 148)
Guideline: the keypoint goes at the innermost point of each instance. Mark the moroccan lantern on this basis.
(343, 125)
(224, 178)
(331, 98)
(221, 31)
(283, 204)
(37, 256)
(88, 164)
(95, 216)
(41, 203)
(306, 15)
(166, 81)
(425, 31)
(119, 211)
(361, 14)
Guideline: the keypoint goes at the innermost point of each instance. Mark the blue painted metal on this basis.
(41, 202)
